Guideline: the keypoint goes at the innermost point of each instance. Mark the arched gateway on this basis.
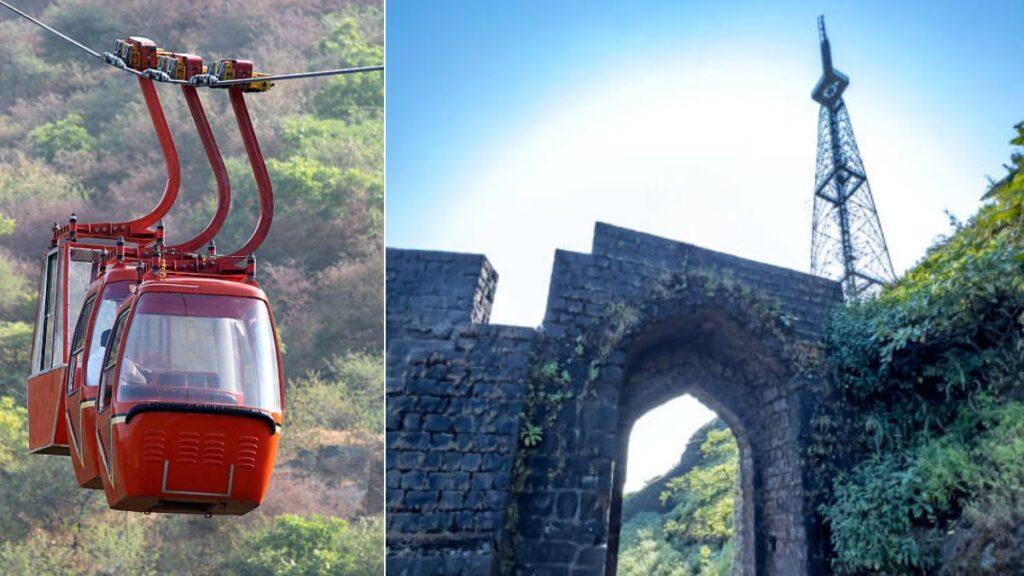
(507, 445)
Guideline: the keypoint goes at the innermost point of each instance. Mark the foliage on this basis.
(36, 493)
(33, 196)
(693, 535)
(13, 433)
(871, 518)
(40, 555)
(705, 497)
(67, 135)
(15, 348)
(347, 395)
(923, 420)
(119, 546)
(647, 553)
(549, 387)
(17, 294)
(334, 142)
(356, 96)
(296, 546)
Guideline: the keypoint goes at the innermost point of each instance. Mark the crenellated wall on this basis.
(636, 322)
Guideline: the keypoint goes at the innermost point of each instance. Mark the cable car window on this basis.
(57, 314)
(78, 344)
(42, 348)
(113, 295)
(39, 336)
(201, 349)
(79, 277)
(110, 362)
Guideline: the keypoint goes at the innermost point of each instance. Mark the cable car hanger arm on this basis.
(140, 228)
(220, 173)
(259, 172)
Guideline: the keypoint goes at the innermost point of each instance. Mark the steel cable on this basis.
(199, 80)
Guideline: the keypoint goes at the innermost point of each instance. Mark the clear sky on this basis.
(512, 126)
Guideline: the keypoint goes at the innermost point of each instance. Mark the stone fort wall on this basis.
(639, 320)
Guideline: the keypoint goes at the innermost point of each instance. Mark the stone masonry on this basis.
(636, 322)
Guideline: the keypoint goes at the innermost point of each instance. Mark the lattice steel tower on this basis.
(847, 242)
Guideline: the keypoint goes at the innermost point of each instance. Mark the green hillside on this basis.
(921, 447)
(681, 524)
(74, 137)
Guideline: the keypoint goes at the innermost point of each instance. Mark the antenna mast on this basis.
(847, 242)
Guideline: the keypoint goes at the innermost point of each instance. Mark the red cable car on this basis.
(171, 386)
(189, 404)
(90, 340)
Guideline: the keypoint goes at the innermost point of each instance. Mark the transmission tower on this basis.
(847, 242)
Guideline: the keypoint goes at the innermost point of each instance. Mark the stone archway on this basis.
(720, 343)
(639, 320)
(743, 518)
(713, 359)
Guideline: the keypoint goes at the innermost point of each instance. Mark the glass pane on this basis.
(79, 278)
(112, 297)
(58, 315)
(78, 343)
(49, 315)
(201, 349)
(80, 326)
(111, 360)
(70, 376)
(40, 332)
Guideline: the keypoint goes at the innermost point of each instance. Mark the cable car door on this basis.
(105, 420)
(64, 279)
(75, 403)
(85, 366)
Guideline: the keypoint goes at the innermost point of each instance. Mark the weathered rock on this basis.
(984, 550)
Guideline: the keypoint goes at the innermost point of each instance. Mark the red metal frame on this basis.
(220, 173)
(140, 230)
(259, 171)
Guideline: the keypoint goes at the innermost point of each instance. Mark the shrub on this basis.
(922, 421)
(15, 352)
(346, 396)
(13, 434)
(314, 545)
(872, 517)
(67, 135)
(705, 497)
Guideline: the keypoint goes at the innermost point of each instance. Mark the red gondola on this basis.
(90, 340)
(189, 410)
(171, 386)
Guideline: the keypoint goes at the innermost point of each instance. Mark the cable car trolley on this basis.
(157, 368)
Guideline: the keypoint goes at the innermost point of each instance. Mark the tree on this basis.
(705, 496)
(67, 135)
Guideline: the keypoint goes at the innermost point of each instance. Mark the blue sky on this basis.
(513, 126)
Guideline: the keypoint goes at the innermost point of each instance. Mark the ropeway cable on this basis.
(199, 80)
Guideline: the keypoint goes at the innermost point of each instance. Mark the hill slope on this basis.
(74, 137)
(681, 523)
(920, 447)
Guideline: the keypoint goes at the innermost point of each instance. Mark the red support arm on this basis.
(220, 173)
(140, 230)
(259, 171)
